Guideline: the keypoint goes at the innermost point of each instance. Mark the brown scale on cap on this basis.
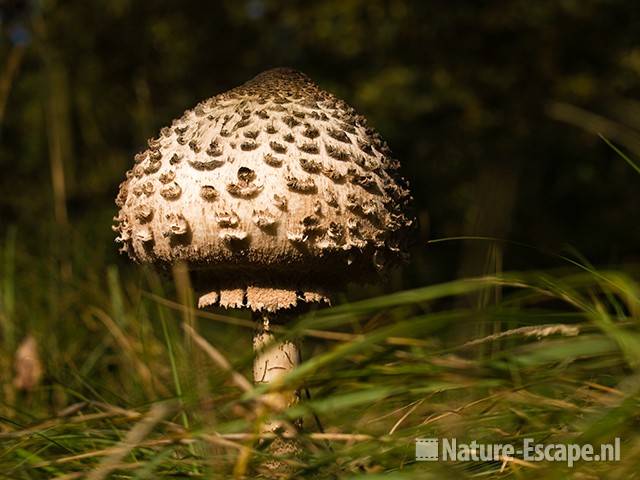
(309, 199)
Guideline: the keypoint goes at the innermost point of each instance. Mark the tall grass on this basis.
(128, 395)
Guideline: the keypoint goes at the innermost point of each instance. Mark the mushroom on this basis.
(275, 194)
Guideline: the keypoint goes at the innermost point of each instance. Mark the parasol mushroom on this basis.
(275, 194)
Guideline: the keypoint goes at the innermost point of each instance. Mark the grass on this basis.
(128, 394)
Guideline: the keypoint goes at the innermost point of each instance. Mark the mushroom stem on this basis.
(274, 358)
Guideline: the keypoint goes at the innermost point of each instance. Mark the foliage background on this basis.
(463, 92)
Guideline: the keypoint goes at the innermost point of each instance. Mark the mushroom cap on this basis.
(273, 193)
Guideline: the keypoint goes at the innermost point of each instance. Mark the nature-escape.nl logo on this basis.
(449, 449)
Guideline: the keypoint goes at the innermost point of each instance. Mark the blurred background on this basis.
(492, 107)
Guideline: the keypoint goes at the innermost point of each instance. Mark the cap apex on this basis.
(280, 73)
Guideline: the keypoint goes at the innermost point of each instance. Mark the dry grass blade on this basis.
(125, 343)
(218, 358)
(595, 123)
(506, 460)
(337, 437)
(404, 417)
(118, 466)
(158, 412)
(538, 331)
(309, 332)
(111, 450)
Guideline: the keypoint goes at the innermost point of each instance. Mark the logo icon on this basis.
(426, 449)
